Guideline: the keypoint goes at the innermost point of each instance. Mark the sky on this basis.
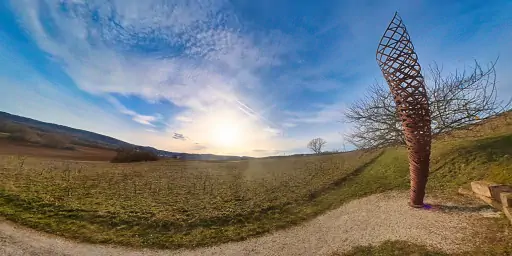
(252, 78)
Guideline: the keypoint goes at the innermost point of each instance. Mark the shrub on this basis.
(130, 155)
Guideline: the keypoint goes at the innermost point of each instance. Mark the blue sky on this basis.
(228, 77)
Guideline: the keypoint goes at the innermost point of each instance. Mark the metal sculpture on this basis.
(400, 67)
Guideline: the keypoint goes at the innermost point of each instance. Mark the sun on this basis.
(225, 134)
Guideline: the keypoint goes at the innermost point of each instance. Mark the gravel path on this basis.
(369, 220)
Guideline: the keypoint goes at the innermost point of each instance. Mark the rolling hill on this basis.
(95, 140)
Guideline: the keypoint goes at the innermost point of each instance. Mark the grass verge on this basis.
(496, 242)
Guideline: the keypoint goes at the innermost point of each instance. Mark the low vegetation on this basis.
(174, 203)
(392, 248)
(132, 155)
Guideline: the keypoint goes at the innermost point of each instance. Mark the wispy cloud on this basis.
(141, 119)
(198, 147)
(288, 125)
(320, 115)
(178, 136)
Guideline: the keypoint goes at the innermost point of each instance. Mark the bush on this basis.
(131, 155)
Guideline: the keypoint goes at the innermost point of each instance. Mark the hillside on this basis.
(173, 204)
(87, 139)
(78, 153)
(81, 135)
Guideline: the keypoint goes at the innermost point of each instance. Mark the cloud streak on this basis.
(178, 136)
(141, 119)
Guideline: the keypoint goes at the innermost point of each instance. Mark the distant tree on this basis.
(455, 100)
(316, 145)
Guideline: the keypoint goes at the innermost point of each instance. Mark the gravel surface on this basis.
(369, 220)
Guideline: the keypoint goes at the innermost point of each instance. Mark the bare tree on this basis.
(456, 100)
(375, 120)
(316, 145)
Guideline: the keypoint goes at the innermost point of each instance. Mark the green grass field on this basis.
(172, 203)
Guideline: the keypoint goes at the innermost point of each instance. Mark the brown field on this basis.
(8, 147)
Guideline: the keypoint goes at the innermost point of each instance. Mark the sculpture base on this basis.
(416, 205)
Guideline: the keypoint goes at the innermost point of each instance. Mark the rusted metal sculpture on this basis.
(400, 67)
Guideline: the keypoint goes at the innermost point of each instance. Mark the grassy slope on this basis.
(484, 152)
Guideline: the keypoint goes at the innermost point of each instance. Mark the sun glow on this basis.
(225, 134)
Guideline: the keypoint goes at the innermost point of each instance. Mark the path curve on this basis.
(369, 220)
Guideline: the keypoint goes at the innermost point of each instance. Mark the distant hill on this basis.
(84, 136)
(91, 139)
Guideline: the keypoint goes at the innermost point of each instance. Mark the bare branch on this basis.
(456, 100)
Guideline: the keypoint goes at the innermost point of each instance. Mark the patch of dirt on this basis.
(447, 226)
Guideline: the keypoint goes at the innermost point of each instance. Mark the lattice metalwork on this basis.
(400, 67)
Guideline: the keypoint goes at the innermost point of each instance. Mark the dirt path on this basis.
(373, 219)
